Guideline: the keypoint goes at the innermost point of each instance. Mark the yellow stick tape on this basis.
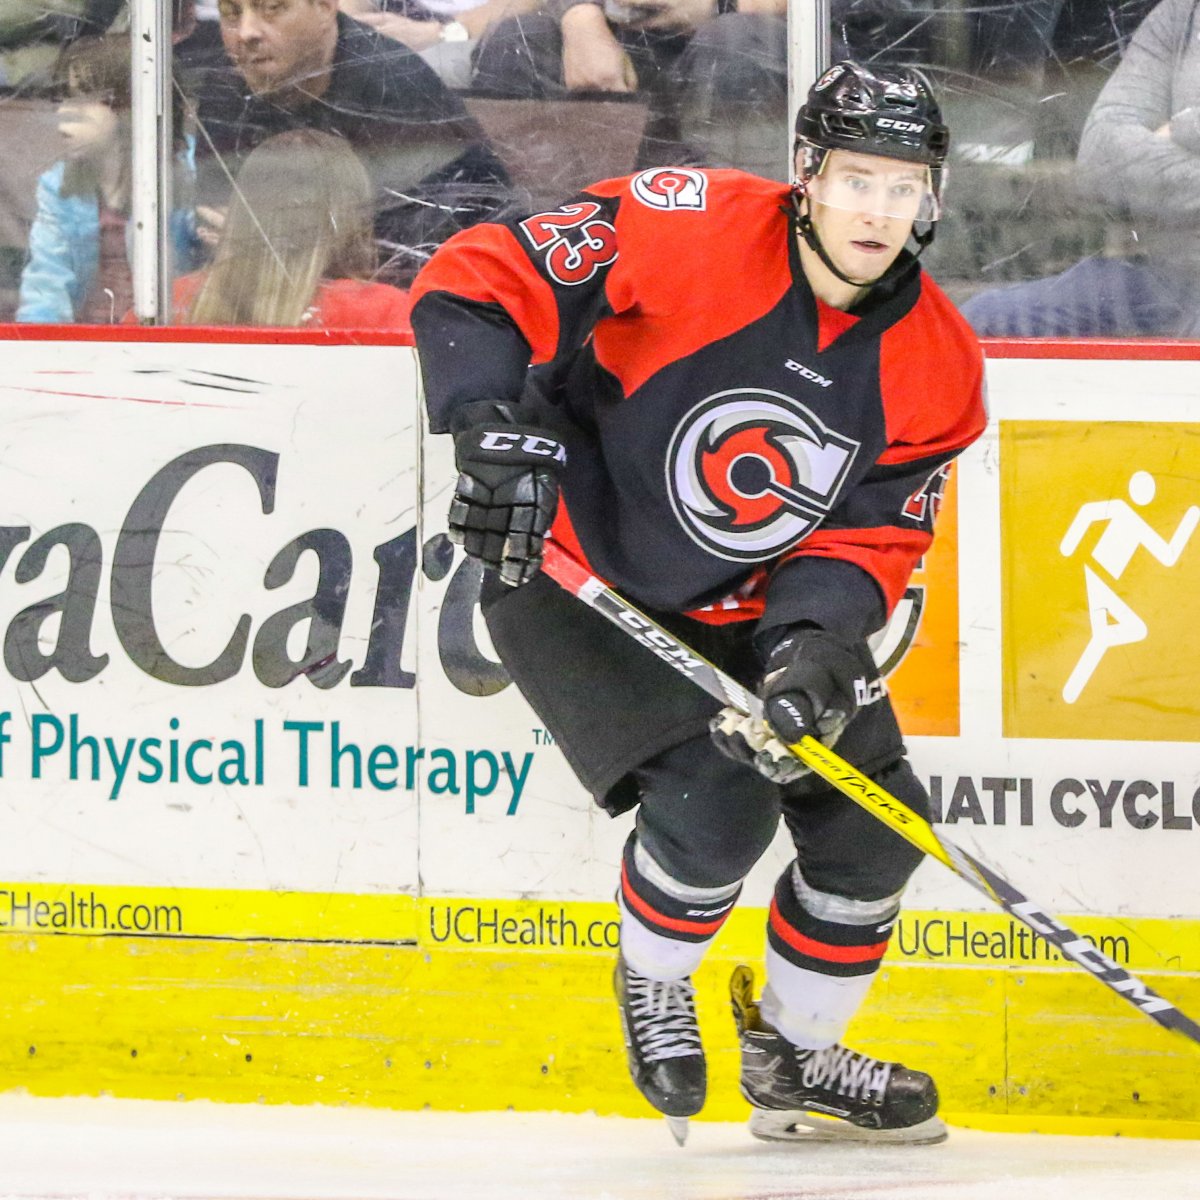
(850, 782)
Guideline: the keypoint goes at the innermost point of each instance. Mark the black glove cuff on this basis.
(783, 649)
(819, 664)
(483, 412)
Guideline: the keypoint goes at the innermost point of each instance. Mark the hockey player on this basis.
(735, 401)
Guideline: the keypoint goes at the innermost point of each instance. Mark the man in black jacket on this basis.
(300, 63)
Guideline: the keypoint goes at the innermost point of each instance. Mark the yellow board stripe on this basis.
(264, 1008)
(1075, 1126)
(452, 1028)
(561, 926)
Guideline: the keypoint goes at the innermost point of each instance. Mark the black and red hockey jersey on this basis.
(736, 448)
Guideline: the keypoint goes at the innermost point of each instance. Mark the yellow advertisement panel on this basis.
(1101, 568)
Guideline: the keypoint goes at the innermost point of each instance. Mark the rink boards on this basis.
(275, 825)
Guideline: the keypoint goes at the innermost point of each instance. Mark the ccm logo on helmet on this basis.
(899, 126)
(528, 443)
(671, 188)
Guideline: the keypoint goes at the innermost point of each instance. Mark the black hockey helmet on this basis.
(886, 111)
(890, 111)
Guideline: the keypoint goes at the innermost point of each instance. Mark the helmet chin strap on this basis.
(809, 234)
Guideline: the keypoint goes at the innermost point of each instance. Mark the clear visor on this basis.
(858, 185)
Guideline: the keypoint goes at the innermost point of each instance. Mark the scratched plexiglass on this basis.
(1070, 207)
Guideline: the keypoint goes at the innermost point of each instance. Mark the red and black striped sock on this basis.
(829, 947)
(669, 908)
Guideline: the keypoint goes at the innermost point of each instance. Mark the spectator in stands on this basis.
(78, 265)
(297, 247)
(444, 33)
(290, 64)
(32, 34)
(890, 32)
(1140, 154)
(707, 68)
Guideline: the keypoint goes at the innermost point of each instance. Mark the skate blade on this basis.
(679, 1129)
(797, 1125)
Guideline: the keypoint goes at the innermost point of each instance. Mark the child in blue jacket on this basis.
(78, 267)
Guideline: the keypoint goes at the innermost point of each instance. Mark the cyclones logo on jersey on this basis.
(671, 188)
(751, 473)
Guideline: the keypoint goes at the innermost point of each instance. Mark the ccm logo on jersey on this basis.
(807, 373)
(899, 126)
(527, 443)
(671, 188)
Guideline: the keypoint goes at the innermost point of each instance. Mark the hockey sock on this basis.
(822, 954)
(667, 926)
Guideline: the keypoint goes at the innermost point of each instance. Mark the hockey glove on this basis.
(750, 741)
(507, 491)
(811, 686)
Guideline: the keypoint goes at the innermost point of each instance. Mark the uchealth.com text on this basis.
(955, 939)
(84, 912)
(551, 927)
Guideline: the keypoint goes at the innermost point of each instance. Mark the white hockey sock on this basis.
(811, 1010)
(654, 956)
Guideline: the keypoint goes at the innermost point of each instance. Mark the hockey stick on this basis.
(896, 815)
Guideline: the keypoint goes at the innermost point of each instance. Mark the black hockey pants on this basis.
(706, 820)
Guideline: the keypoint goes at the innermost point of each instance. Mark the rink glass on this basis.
(1016, 81)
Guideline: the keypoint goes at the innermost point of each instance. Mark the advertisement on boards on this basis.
(206, 565)
(243, 664)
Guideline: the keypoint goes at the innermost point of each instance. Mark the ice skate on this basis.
(662, 1041)
(827, 1095)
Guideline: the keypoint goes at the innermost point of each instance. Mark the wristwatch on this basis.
(455, 31)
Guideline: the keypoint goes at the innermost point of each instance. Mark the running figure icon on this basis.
(1113, 622)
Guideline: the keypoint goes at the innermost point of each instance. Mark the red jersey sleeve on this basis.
(500, 296)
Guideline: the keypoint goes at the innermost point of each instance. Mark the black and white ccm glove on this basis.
(507, 490)
(812, 685)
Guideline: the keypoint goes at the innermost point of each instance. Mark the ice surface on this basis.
(114, 1148)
